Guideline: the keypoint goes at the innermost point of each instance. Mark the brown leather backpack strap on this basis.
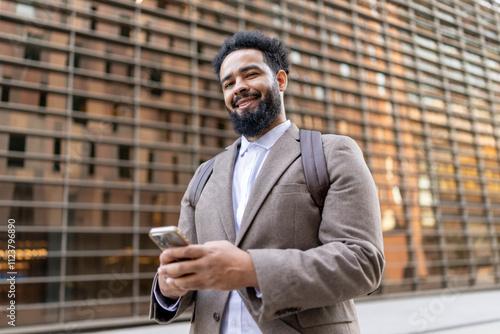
(200, 181)
(314, 163)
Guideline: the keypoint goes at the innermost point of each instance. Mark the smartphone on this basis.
(168, 236)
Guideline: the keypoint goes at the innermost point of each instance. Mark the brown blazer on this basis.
(309, 266)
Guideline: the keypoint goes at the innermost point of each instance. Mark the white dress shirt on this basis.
(251, 157)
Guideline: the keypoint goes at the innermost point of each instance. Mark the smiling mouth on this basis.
(245, 101)
(245, 104)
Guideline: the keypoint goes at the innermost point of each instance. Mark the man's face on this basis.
(251, 92)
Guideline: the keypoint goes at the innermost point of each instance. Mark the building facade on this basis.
(107, 107)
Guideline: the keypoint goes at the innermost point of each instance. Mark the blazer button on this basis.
(216, 316)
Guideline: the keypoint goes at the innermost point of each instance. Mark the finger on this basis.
(190, 282)
(178, 269)
(166, 257)
(187, 252)
(170, 290)
(169, 270)
(171, 284)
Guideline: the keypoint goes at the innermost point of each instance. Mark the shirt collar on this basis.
(266, 141)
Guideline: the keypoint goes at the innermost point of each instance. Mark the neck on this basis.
(279, 120)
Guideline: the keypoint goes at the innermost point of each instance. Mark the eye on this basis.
(251, 74)
(227, 85)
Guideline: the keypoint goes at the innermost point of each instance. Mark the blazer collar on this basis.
(283, 153)
(222, 176)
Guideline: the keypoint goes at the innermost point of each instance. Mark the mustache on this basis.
(244, 95)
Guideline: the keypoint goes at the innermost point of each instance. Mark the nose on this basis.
(240, 86)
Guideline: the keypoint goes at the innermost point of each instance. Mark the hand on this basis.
(217, 265)
(167, 286)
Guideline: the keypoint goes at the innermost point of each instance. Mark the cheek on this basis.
(228, 101)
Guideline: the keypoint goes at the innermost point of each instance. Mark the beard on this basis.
(251, 124)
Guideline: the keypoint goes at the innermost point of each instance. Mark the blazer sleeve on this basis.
(348, 261)
(161, 315)
(187, 226)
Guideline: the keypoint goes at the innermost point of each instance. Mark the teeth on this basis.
(245, 103)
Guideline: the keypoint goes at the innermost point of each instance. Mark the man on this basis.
(266, 258)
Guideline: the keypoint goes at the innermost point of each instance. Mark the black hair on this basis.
(276, 52)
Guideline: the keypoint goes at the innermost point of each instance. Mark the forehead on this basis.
(242, 58)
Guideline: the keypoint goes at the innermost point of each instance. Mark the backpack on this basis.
(313, 162)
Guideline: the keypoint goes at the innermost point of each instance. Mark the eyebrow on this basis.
(242, 70)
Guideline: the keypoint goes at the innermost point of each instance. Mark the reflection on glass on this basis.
(98, 265)
(98, 217)
(113, 241)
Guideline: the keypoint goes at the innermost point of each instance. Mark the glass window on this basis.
(345, 70)
(32, 52)
(97, 217)
(17, 144)
(86, 241)
(106, 289)
(27, 11)
(98, 265)
(5, 94)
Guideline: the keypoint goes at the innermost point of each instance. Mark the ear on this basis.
(282, 79)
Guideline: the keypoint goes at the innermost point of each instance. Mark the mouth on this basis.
(245, 102)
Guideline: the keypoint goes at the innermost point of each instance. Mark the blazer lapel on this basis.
(283, 153)
(223, 181)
